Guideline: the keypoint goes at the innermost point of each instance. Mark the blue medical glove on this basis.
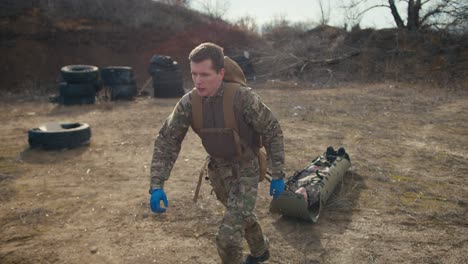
(277, 187)
(155, 201)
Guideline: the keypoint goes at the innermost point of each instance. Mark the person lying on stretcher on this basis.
(308, 181)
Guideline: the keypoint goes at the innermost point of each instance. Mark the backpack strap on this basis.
(197, 112)
(230, 90)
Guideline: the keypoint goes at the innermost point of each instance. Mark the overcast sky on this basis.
(300, 10)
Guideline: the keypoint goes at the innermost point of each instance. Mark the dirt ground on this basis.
(405, 199)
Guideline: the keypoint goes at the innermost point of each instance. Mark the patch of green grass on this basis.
(401, 178)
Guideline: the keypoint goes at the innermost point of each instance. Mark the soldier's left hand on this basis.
(277, 187)
(157, 196)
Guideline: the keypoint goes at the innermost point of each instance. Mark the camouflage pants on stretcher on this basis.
(238, 195)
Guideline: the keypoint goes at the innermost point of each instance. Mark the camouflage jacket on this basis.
(256, 114)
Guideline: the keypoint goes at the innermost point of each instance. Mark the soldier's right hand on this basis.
(158, 195)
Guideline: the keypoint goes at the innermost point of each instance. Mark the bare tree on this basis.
(215, 8)
(324, 12)
(352, 15)
(277, 23)
(454, 17)
(419, 13)
(247, 23)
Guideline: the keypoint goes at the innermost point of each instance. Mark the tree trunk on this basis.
(413, 15)
(396, 15)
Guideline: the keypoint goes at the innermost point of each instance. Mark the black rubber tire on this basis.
(162, 60)
(78, 100)
(123, 92)
(117, 75)
(78, 89)
(74, 135)
(246, 66)
(168, 84)
(80, 73)
(158, 62)
(168, 90)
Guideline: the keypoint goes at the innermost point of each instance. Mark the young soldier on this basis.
(233, 165)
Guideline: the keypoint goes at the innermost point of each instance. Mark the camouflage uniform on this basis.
(238, 195)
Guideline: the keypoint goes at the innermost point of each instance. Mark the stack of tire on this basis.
(79, 84)
(121, 81)
(246, 66)
(167, 77)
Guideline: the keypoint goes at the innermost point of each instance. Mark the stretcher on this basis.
(308, 190)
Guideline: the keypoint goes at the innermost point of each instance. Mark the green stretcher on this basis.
(322, 176)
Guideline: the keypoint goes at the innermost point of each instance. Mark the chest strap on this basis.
(230, 121)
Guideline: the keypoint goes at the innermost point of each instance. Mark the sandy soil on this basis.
(405, 199)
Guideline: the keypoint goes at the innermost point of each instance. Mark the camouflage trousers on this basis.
(238, 195)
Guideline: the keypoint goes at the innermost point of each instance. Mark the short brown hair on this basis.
(208, 51)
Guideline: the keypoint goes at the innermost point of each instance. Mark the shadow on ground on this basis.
(39, 156)
(308, 238)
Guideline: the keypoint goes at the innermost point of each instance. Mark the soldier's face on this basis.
(205, 78)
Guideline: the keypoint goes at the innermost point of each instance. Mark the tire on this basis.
(78, 100)
(80, 74)
(78, 89)
(59, 136)
(117, 75)
(168, 84)
(168, 90)
(162, 62)
(246, 66)
(123, 92)
(168, 76)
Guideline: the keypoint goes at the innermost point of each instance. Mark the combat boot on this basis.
(254, 260)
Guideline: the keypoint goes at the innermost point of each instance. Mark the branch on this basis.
(436, 10)
(395, 14)
(418, 5)
(370, 8)
(333, 60)
(302, 63)
(425, 2)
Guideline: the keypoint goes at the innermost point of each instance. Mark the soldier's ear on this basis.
(221, 72)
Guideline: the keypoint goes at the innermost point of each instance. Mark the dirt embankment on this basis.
(35, 44)
(330, 55)
(43, 36)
